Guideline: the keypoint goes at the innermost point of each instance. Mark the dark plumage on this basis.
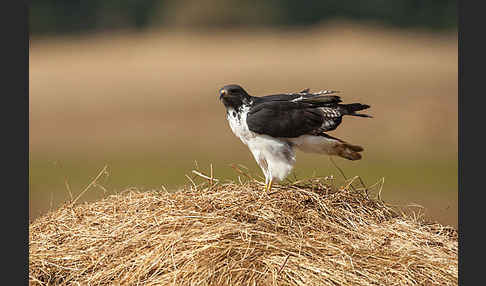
(292, 114)
(298, 119)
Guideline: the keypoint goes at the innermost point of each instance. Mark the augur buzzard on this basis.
(271, 126)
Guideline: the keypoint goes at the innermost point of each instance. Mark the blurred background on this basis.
(133, 85)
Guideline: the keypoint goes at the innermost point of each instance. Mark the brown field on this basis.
(146, 105)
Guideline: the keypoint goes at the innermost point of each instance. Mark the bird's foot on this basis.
(268, 186)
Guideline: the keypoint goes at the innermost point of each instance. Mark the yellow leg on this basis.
(270, 186)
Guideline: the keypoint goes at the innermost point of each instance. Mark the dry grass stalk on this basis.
(303, 233)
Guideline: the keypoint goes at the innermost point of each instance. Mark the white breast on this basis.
(275, 156)
(237, 122)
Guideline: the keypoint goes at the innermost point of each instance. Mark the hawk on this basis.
(273, 125)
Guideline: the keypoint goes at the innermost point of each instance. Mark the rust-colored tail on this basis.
(348, 151)
(344, 149)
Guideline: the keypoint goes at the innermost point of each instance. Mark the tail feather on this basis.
(361, 115)
(344, 149)
(348, 151)
(350, 109)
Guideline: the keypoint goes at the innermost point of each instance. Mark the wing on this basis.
(320, 97)
(295, 114)
(284, 118)
(333, 115)
(331, 118)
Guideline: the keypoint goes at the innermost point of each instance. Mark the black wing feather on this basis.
(296, 114)
(283, 119)
(321, 98)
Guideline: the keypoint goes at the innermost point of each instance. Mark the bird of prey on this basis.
(271, 126)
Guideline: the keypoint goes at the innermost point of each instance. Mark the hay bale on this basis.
(305, 233)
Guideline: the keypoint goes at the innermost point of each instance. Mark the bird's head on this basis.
(233, 96)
